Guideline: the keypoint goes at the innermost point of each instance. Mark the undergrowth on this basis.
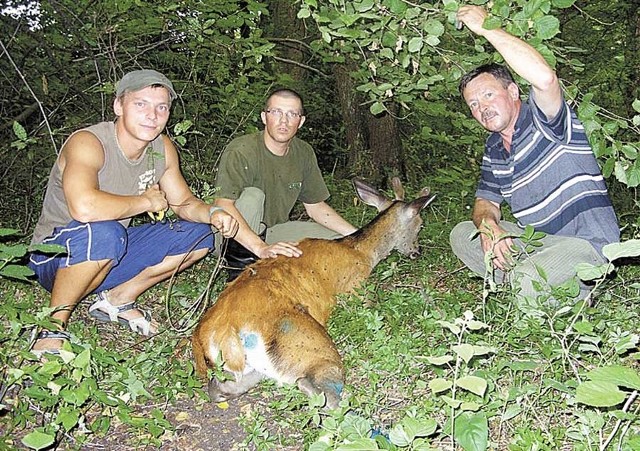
(431, 364)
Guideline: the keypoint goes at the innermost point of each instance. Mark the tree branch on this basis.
(26, 83)
(296, 63)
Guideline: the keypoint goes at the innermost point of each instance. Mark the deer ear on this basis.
(398, 190)
(369, 195)
(421, 202)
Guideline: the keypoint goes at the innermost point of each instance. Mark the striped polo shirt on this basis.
(550, 179)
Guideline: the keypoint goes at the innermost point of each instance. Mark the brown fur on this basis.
(284, 304)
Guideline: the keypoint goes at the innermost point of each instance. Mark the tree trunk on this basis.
(385, 145)
(354, 124)
(288, 33)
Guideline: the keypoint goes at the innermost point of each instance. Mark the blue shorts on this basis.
(131, 249)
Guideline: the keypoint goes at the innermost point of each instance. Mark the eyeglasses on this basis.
(291, 115)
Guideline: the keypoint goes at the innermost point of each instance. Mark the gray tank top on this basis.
(119, 175)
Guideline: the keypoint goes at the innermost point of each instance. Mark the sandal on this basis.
(105, 311)
(53, 334)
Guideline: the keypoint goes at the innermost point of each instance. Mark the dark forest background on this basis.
(379, 81)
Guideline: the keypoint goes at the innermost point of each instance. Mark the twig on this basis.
(26, 83)
(626, 407)
(294, 41)
(296, 63)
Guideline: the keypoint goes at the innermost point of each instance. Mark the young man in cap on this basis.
(538, 160)
(260, 178)
(104, 175)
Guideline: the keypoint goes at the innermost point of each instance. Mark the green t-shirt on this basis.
(246, 162)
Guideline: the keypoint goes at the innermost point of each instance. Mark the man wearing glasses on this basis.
(260, 178)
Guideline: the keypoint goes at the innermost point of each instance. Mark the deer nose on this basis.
(415, 253)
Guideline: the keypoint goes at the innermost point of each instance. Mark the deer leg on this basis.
(231, 389)
(326, 379)
(306, 355)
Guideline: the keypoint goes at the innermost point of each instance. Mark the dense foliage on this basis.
(519, 376)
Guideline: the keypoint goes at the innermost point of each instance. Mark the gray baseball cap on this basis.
(140, 79)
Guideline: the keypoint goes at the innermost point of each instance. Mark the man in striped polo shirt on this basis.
(538, 160)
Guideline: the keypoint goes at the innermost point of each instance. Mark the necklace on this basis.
(126, 158)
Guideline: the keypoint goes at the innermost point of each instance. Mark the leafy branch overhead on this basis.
(410, 52)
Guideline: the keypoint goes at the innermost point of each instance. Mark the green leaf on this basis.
(474, 384)
(583, 327)
(599, 394)
(482, 350)
(629, 151)
(511, 412)
(477, 325)
(492, 22)
(607, 168)
(455, 403)
(19, 131)
(405, 433)
(626, 343)
(18, 250)
(363, 6)
(361, 444)
(547, 27)
(319, 446)
(472, 431)
(633, 175)
(465, 351)
(304, 13)
(415, 44)
(16, 272)
(470, 406)
(587, 271)
(636, 105)
(7, 232)
(629, 248)
(616, 374)
(441, 360)
(434, 28)
(377, 108)
(454, 328)
(48, 248)
(38, 440)
(620, 172)
(439, 385)
(563, 3)
(396, 6)
(68, 418)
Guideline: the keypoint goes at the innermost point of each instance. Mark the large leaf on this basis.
(16, 272)
(439, 385)
(472, 431)
(547, 27)
(38, 440)
(587, 271)
(599, 394)
(616, 374)
(406, 432)
(629, 248)
(6, 232)
(465, 351)
(474, 384)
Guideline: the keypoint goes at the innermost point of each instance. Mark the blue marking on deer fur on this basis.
(286, 326)
(249, 341)
(336, 386)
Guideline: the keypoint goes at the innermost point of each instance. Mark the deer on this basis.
(271, 321)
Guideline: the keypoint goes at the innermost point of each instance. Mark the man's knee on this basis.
(190, 237)
(107, 240)
(461, 236)
(251, 200)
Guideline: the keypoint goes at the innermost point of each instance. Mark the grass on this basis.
(430, 363)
